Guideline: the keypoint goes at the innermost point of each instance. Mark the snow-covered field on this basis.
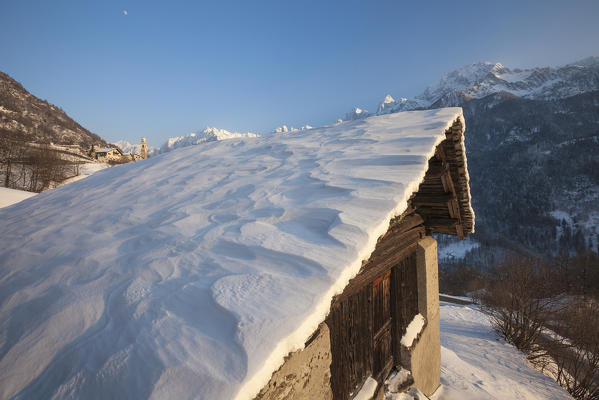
(476, 365)
(457, 250)
(86, 170)
(11, 196)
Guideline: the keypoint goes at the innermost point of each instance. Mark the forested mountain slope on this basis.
(532, 140)
(27, 118)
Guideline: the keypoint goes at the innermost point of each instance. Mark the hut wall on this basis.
(305, 375)
(353, 342)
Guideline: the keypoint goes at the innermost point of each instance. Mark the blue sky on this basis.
(171, 67)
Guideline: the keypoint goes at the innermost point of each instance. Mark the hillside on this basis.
(476, 364)
(534, 170)
(25, 117)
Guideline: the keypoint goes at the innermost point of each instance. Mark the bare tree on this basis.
(11, 154)
(546, 312)
(521, 297)
(577, 365)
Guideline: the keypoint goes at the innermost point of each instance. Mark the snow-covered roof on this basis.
(192, 274)
(106, 150)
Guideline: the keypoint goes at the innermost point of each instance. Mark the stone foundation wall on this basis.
(424, 357)
(305, 375)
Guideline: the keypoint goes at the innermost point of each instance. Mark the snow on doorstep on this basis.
(397, 380)
(412, 394)
(193, 273)
(9, 197)
(476, 364)
(367, 390)
(412, 331)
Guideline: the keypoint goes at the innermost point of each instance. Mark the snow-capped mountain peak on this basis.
(286, 129)
(134, 148)
(386, 105)
(356, 113)
(209, 134)
(388, 99)
(591, 61)
(484, 78)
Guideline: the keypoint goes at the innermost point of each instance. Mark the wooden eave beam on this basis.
(376, 266)
(428, 201)
(432, 200)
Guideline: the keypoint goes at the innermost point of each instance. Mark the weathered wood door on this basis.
(350, 324)
(366, 326)
(381, 325)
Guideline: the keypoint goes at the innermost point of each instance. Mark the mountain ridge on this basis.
(23, 116)
(478, 80)
(532, 135)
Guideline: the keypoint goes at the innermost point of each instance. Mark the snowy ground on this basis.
(457, 250)
(11, 196)
(85, 170)
(476, 365)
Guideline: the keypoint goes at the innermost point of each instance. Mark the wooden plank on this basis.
(395, 245)
(440, 153)
(407, 223)
(435, 170)
(442, 222)
(460, 231)
(383, 353)
(350, 325)
(431, 199)
(366, 277)
(381, 313)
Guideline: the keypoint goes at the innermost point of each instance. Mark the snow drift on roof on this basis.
(104, 150)
(192, 274)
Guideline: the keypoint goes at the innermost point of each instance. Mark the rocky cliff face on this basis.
(26, 117)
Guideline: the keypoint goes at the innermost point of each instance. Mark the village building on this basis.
(108, 154)
(144, 148)
(284, 267)
(115, 155)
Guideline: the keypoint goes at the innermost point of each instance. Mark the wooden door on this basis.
(350, 324)
(381, 326)
(404, 304)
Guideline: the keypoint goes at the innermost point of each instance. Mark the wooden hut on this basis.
(361, 336)
(285, 267)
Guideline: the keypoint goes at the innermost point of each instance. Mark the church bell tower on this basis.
(144, 148)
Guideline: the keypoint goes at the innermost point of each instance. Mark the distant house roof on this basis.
(194, 273)
(107, 149)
